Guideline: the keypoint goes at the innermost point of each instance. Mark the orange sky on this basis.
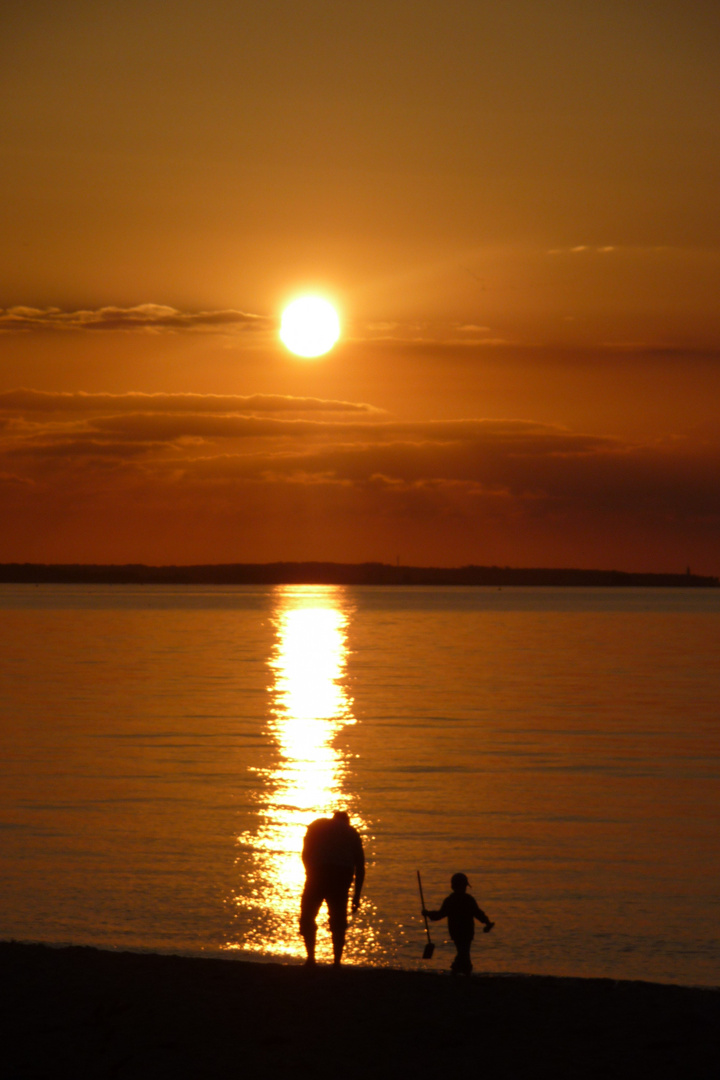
(514, 207)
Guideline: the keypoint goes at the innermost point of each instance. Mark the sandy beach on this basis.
(83, 1012)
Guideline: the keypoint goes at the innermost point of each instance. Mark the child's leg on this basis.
(462, 964)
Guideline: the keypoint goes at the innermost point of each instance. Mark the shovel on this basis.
(430, 947)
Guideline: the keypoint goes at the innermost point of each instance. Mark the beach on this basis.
(85, 1012)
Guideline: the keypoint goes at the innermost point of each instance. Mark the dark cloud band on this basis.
(157, 317)
(42, 401)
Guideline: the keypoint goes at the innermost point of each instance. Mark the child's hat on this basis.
(459, 879)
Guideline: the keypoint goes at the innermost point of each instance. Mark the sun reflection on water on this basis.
(310, 706)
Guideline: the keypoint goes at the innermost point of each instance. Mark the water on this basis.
(163, 749)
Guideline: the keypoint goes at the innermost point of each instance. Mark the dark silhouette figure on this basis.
(332, 855)
(460, 910)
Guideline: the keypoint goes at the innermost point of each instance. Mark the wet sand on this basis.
(86, 1013)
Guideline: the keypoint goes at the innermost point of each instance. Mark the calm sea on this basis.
(163, 749)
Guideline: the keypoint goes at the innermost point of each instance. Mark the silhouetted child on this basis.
(461, 910)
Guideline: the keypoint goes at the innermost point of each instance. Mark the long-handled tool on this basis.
(430, 947)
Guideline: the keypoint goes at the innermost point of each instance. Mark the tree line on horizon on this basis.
(329, 573)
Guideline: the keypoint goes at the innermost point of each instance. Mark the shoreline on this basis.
(94, 1013)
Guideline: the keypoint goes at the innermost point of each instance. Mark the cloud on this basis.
(147, 317)
(42, 401)
(177, 425)
(346, 472)
(652, 486)
(10, 479)
(581, 249)
(436, 335)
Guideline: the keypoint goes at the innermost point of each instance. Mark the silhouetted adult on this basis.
(461, 910)
(332, 855)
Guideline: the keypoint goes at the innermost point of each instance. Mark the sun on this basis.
(310, 326)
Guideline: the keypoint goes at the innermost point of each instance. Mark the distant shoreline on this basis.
(329, 573)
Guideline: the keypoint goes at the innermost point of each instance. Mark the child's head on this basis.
(459, 883)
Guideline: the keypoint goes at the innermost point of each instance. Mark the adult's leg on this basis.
(338, 888)
(310, 904)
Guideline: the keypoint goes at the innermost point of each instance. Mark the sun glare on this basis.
(310, 326)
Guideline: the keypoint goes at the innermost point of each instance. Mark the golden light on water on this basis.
(310, 706)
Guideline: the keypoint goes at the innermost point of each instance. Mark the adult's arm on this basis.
(313, 837)
(306, 850)
(359, 873)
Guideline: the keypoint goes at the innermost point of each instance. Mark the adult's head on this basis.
(341, 817)
(459, 883)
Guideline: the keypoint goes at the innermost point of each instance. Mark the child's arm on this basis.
(435, 915)
(480, 915)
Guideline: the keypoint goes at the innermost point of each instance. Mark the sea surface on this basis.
(162, 750)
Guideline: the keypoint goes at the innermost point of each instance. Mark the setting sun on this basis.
(310, 326)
